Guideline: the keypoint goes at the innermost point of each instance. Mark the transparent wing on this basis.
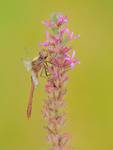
(34, 78)
(27, 64)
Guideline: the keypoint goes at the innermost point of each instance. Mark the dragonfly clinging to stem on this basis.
(36, 65)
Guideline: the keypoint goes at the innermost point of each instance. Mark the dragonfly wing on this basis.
(34, 78)
(27, 64)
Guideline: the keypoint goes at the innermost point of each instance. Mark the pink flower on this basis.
(71, 60)
(58, 61)
(54, 71)
(64, 49)
(53, 138)
(45, 112)
(49, 87)
(57, 121)
(62, 19)
(64, 30)
(71, 35)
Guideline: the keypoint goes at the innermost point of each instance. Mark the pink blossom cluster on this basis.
(61, 59)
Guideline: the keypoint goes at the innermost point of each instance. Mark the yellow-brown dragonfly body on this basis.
(37, 65)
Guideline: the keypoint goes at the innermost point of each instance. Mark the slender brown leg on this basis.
(42, 72)
(45, 69)
(29, 107)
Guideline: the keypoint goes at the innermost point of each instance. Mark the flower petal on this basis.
(44, 44)
(72, 65)
(47, 35)
(73, 55)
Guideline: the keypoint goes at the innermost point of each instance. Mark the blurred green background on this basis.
(90, 88)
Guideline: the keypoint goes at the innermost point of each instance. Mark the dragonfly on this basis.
(36, 65)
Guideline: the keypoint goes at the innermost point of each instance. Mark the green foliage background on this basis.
(90, 88)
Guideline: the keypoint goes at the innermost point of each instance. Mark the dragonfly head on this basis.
(43, 54)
